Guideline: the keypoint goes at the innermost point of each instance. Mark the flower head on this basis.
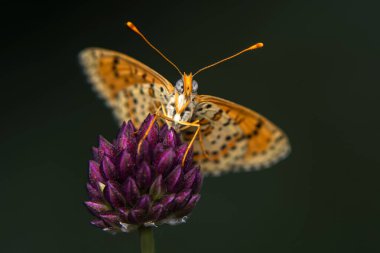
(129, 188)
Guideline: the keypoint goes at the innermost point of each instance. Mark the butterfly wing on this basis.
(135, 102)
(233, 135)
(129, 87)
(236, 137)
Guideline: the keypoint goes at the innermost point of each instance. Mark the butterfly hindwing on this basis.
(236, 137)
(135, 102)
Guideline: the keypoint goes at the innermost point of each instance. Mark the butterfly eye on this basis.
(179, 85)
(195, 86)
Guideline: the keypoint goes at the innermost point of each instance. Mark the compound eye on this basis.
(195, 86)
(179, 86)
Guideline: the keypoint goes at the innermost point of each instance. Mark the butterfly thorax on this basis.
(180, 108)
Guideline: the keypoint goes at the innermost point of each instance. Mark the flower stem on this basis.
(146, 240)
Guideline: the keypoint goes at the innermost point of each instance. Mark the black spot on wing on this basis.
(227, 122)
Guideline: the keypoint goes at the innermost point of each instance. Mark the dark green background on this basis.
(317, 78)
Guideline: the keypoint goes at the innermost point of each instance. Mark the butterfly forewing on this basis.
(236, 137)
(131, 88)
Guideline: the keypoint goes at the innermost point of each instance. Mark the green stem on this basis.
(146, 240)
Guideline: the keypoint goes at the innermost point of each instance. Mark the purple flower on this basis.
(129, 187)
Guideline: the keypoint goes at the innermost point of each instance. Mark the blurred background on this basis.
(317, 78)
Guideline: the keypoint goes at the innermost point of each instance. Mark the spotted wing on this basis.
(135, 102)
(236, 137)
(129, 87)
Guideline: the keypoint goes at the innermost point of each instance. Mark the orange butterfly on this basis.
(225, 136)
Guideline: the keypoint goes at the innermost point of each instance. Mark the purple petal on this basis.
(131, 191)
(174, 179)
(170, 138)
(189, 178)
(125, 141)
(143, 203)
(110, 218)
(127, 130)
(190, 204)
(108, 169)
(153, 134)
(130, 129)
(123, 130)
(135, 216)
(157, 188)
(164, 129)
(94, 172)
(105, 146)
(94, 192)
(123, 213)
(131, 145)
(143, 175)
(121, 137)
(144, 126)
(156, 212)
(126, 163)
(96, 154)
(181, 153)
(168, 201)
(158, 149)
(198, 181)
(182, 198)
(96, 207)
(113, 194)
(99, 223)
(145, 153)
(165, 161)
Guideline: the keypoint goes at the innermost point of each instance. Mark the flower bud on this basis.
(130, 187)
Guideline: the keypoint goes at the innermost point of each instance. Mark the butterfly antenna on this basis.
(134, 28)
(253, 47)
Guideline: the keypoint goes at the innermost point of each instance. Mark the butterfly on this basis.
(225, 136)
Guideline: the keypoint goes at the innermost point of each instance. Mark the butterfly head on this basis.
(187, 85)
(185, 90)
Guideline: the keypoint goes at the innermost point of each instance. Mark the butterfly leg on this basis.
(146, 133)
(156, 114)
(150, 126)
(164, 112)
(201, 143)
(187, 125)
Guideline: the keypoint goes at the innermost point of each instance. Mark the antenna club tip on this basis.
(131, 26)
(256, 46)
(260, 44)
